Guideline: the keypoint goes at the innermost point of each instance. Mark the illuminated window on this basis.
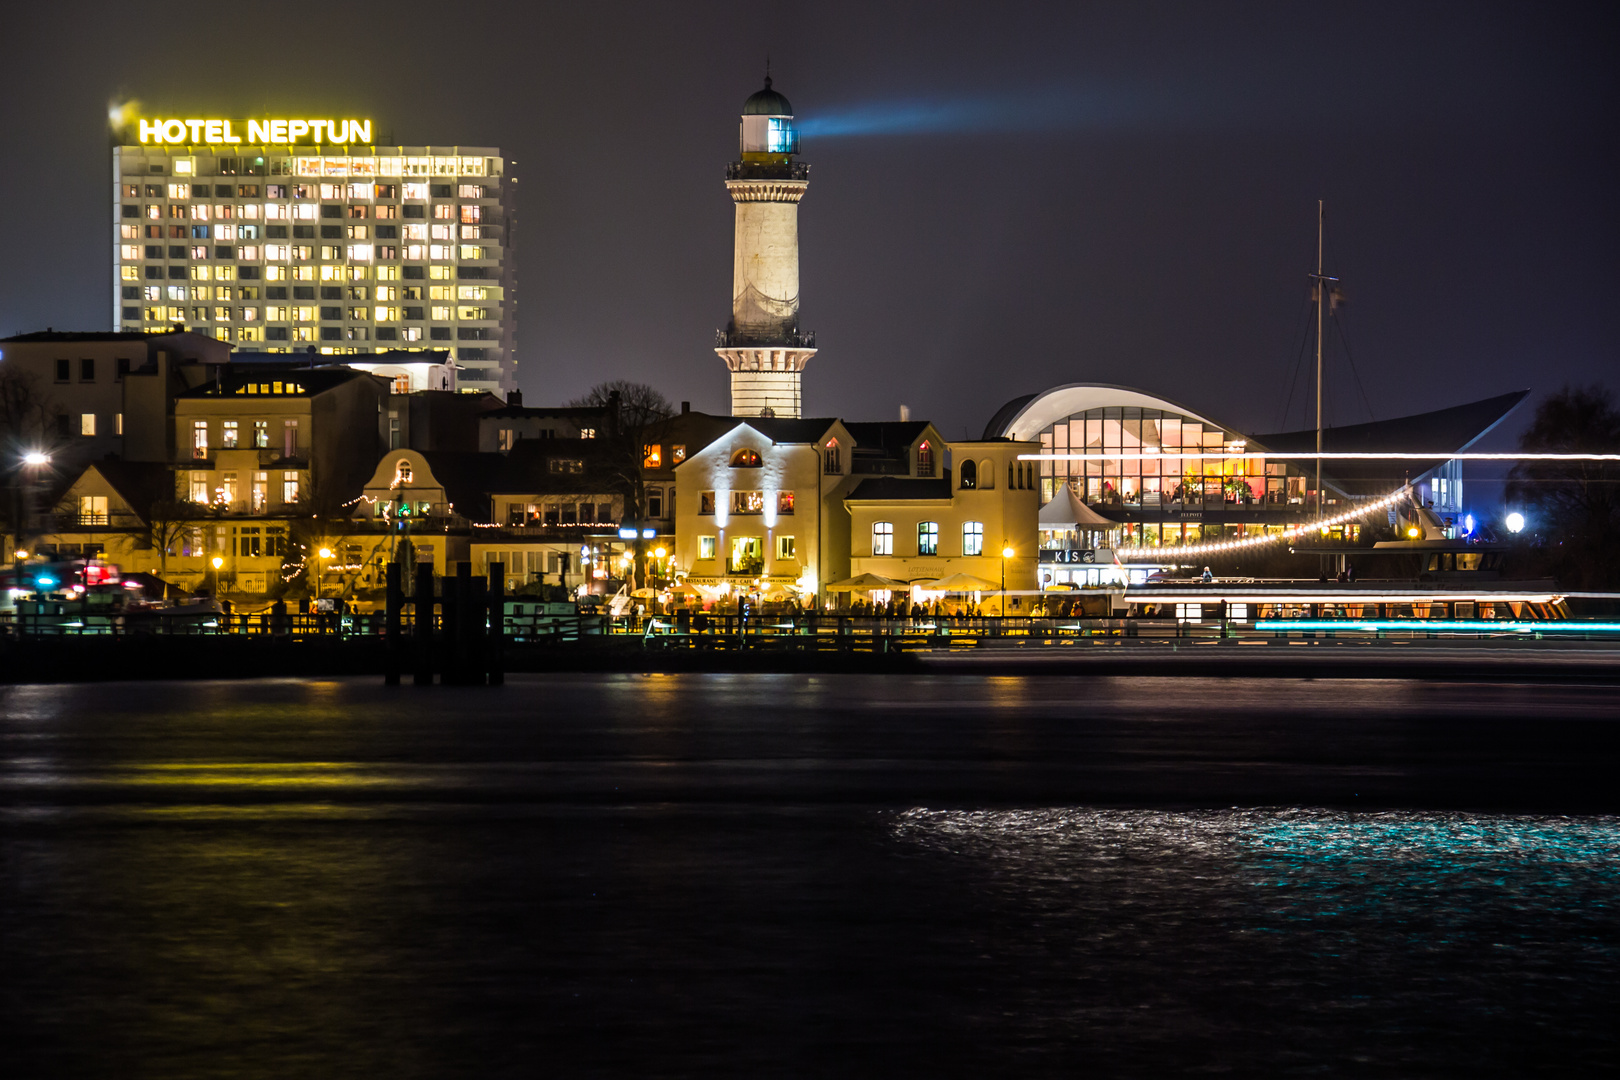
(289, 432)
(471, 292)
(652, 456)
(387, 211)
(441, 314)
(386, 314)
(199, 438)
(587, 433)
(444, 212)
(706, 503)
(261, 434)
(925, 460)
(472, 214)
(882, 538)
(441, 273)
(227, 488)
(973, 538)
(970, 475)
(197, 488)
(833, 466)
(227, 435)
(87, 423)
(746, 458)
(780, 137)
(784, 502)
(928, 538)
(677, 454)
(289, 487)
(706, 547)
(92, 509)
(748, 502)
(416, 191)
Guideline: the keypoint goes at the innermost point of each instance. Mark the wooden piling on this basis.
(394, 600)
(497, 624)
(422, 674)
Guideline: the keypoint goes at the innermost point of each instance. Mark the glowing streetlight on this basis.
(1515, 522)
(218, 562)
(1006, 553)
(36, 458)
(20, 553)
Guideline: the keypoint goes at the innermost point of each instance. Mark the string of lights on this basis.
(1290, 533)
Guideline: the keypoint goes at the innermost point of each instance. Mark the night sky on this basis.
(1003, 197)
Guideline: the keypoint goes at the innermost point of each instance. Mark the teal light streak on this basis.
(1465, 625)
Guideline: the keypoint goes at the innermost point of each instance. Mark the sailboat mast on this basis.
(1321, 308)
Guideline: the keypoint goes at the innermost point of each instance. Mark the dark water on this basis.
(786, 875)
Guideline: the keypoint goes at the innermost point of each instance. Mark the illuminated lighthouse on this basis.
(762, 345)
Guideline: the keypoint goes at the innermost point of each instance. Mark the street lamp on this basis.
(218, 562)
(1515, 522)
(36, 458)
(1006, 553)
(325, 554)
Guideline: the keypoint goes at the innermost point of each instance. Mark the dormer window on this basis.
(925, 459)
(403, 473)
(833, 467)
(746, 458)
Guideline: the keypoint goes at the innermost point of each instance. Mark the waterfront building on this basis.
(1168, 479)
(976, 518)
(349, 247)
(271, 442)
(762, 345)
(763, 507)
(82, 396)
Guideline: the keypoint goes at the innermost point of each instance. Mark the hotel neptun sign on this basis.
(269, 132)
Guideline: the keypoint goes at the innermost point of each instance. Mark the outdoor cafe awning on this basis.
(1067, 511)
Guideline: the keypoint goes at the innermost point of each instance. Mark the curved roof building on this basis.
(1171, 475)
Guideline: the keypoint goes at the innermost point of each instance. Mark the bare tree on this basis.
(22, 423)
(637, 407)
(167, 521)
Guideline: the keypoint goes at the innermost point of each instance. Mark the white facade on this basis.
(347, 249)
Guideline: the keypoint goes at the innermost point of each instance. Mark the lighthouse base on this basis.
(765, 380)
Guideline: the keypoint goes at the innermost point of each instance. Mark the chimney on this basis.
(686, 407)
(514, 397)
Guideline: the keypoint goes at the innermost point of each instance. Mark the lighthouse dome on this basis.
(767, 102)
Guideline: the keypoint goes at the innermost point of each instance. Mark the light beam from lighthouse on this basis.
(762, 345)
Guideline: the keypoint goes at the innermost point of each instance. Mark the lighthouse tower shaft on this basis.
(762, 345)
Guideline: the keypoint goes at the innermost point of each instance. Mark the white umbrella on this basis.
(867, 582)
(959, 583)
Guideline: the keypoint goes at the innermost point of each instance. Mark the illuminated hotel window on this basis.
(928, 538)
(883, 538)
(706, 545)
(973, 538)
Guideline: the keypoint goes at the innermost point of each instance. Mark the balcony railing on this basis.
(752, 170)
(742, 339)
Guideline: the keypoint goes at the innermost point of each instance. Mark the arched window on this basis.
(925, 460)
(973, 538)
(970, 475)
(883, 538)
(1012, 478)
(928, 538)
(402, 473)
(987, 474)
(746, 459)
(833, 467)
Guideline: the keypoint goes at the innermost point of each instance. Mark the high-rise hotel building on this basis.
(297, 235)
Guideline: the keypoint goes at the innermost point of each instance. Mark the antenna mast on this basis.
(1321, 289)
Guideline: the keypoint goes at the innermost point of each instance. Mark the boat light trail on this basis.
(1441, 455)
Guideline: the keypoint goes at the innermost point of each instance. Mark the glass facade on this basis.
(1161, 499)
(346, 250)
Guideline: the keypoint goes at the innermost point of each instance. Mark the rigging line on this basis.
(1304, 340)
(1344, 337)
